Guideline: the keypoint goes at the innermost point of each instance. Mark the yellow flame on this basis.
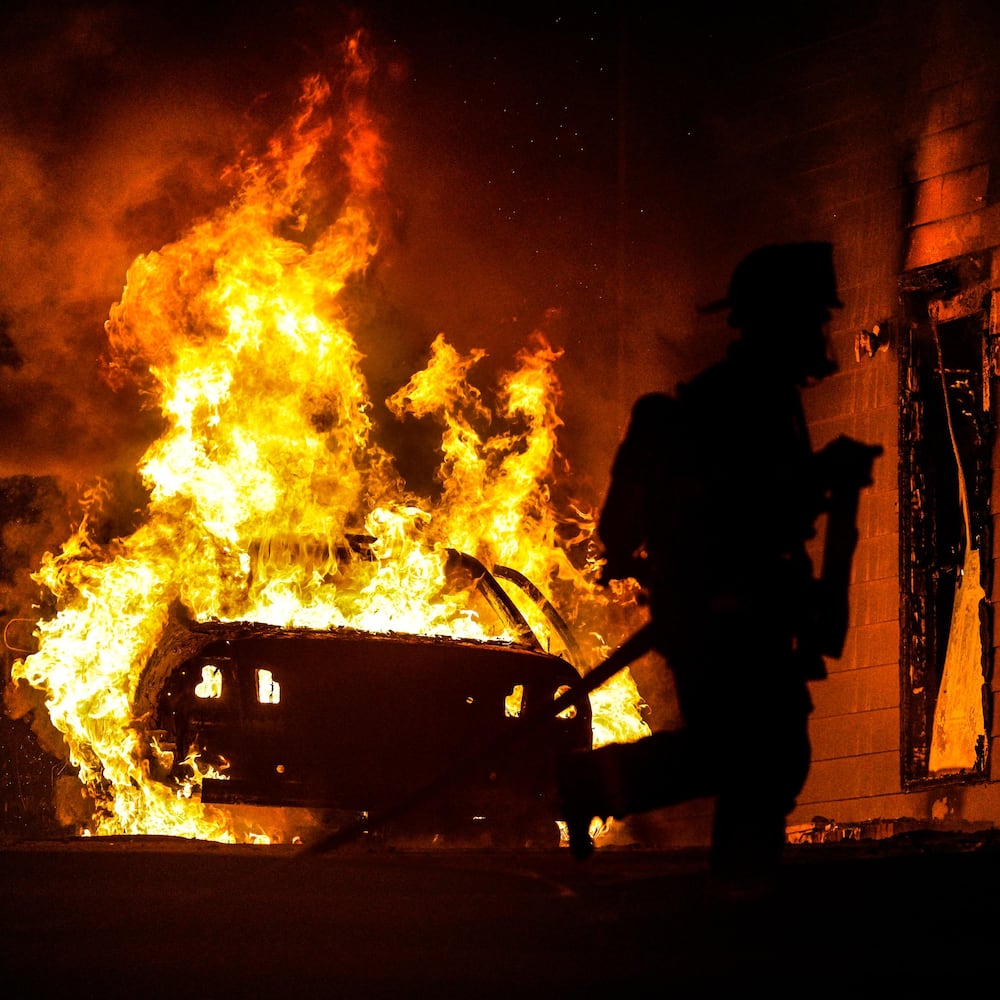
(267, 466)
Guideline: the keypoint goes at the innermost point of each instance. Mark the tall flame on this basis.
(268, 465)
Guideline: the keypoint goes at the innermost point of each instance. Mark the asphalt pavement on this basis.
(163, 917)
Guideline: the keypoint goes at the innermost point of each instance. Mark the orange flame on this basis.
(268, 462)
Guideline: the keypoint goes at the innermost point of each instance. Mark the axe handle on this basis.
(638, 644)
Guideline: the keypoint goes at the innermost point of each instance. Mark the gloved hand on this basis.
(846, 464)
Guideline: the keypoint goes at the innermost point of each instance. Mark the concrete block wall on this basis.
(942, 146)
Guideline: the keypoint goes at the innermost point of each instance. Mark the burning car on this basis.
(353, 722)
(302, 668)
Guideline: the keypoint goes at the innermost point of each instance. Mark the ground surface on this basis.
(149, 917)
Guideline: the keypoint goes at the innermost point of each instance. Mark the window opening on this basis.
(268, 689)
(946, 440)
(210, 685)
(512, 703)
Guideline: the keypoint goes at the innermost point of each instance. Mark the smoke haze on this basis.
(520, 169)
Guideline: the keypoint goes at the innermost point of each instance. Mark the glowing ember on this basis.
(268, 467)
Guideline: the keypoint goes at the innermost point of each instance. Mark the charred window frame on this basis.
(946, 425)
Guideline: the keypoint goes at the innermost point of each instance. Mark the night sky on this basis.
(542, 172)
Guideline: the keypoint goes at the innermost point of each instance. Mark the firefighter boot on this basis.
(582, 797)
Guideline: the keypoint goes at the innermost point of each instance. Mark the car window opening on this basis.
(570, 711)
(268, 689)
(512, 703)
(211, 682)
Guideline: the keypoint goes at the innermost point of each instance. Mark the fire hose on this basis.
(637, 645)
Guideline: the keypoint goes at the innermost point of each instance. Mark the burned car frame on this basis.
(352, 721)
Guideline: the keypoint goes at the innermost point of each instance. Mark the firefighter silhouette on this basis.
(715, 492)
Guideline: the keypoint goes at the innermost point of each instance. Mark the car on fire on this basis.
(353, 722)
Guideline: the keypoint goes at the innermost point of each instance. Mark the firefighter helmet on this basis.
(800, 275)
